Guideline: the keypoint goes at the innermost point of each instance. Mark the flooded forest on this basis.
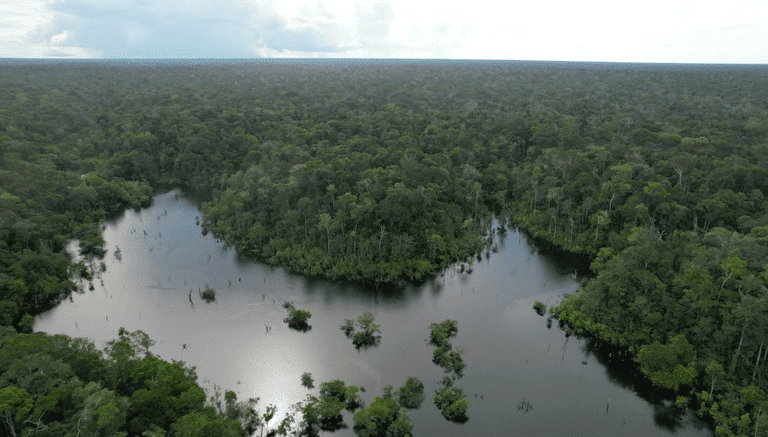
(383, 247)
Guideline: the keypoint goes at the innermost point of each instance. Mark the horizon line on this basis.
(357, 60)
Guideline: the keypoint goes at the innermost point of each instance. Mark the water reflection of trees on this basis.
(624, 372)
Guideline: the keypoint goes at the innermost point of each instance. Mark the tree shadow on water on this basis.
(669, 416)
(301, 328)
(623, 371)
(367, 344)
(333, 423)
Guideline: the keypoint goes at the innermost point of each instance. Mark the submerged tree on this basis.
(451, 401)
(209, 294)
(441, 332)
(368, 332)
(267, 416)
(307, 381)
(444, 355)
(383, 418)
(348, 394)
(297, 319)
(411, 394)
(323, 412)
(348, 327)
(450, 360)
(285, 194)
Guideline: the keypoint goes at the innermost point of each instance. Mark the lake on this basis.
(511, 356)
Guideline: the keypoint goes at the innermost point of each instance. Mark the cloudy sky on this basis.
(714, 31)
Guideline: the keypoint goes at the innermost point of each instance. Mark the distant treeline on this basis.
(388, 172)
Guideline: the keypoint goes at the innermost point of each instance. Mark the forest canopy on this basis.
(388, 171)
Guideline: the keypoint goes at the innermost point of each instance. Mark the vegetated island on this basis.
(364, 331)
(297, 319)
(382, 172)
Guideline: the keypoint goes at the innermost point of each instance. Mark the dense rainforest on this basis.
(54, 385)
(387, 172)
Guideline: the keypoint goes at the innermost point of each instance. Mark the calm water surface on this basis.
(511, 355)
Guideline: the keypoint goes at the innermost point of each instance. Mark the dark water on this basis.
(511, 355)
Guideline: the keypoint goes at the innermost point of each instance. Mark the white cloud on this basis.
(19, 18)
(593, 30)
(36, 50)
(135, 32)
(59, 38)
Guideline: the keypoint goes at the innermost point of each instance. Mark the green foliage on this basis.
(129, 345)
(368, 332)
(335, 389)
(26, 324)
(203, 424)
(670, 365)
(452, 402)
(297, 319)
(443, 355)
(310, 422)
(91, 242)
(411, 394)
(164, 392)
(269, 414)
(354, 399)
(104, 411)
(540, 308)
(307, 381)
(383, 418)
(327, 413)
(441, 332)
(66, 386)
(324, 412)
(732, 266)
(348, 327)
(208, 294)
(450, 361)
(401, 192)
(387, 392)
(8, 312)
(15, 405)
(286, 425)
(348, 395)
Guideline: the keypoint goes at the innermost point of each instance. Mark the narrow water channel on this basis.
(240, 343)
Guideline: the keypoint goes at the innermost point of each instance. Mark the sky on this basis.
(678, 31)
